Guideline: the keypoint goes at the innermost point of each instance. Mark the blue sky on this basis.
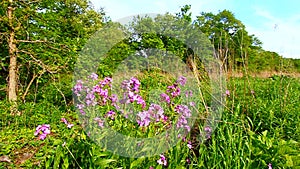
(275, 22)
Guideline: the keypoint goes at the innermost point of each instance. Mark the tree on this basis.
(229, 36)
(42, 39)
(166, 33)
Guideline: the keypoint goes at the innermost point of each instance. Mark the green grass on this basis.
(255, 130)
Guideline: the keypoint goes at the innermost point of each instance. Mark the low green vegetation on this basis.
(51, 117)
(260, 125)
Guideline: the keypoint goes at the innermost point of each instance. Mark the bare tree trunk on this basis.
(12, 84)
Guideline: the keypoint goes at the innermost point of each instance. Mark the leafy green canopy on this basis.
(48, 35)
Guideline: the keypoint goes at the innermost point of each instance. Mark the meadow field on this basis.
(259, 128)
(78, 90)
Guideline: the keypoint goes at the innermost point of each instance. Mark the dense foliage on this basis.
(47, 36)
(259, 127)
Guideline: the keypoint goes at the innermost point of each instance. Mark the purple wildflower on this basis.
(125, 85)
(69, 125)
(96, 89)
(156, 112)
(183, 109)
(270, 166)
(162, 160)
(144, 118)
(64, 120)
(43, 130)
(179, 136)
(99, 121)
(164, 97)
(188, 93)
(184, 113)
(106, 81)
(78, 87)
(141, 101)
(165, 118)
(188, 160)
(82, 112)
(111, 114)
(189, 145)
(113, 98)
(42, 136)
(80, 106)
(135, 83)
(93, 76)
(104, 95)
(132, 97)
(188, 128)
(174, 90)
(181, 122)
(181, 80)
(227, 93)
(90, 99)
(192, 104)
(207, 129)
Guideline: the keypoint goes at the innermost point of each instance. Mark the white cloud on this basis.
(278, 34)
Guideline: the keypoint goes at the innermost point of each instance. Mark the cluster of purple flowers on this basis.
(181, 80)
(154, 113)
(189, 145)
(184, 113)
(174, 90)
(42, 131)
(162, 160)
(90, 98)
(80, 107)
(78, 87)
(165, 98)
(69, 125)
(208, 132)
(93, 76)
(99, 121)
(99, 90)
(131, 90)
(188, 93)
(99, 94)
(111, 114)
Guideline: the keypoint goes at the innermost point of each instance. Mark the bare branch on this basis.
(3, 89)
(30, 2)
(61, 93)
(39, 62)
(29, 41)
(29, 85)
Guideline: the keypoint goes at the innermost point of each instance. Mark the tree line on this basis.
(41, 40)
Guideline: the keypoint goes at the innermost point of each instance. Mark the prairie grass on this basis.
(259, 127)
